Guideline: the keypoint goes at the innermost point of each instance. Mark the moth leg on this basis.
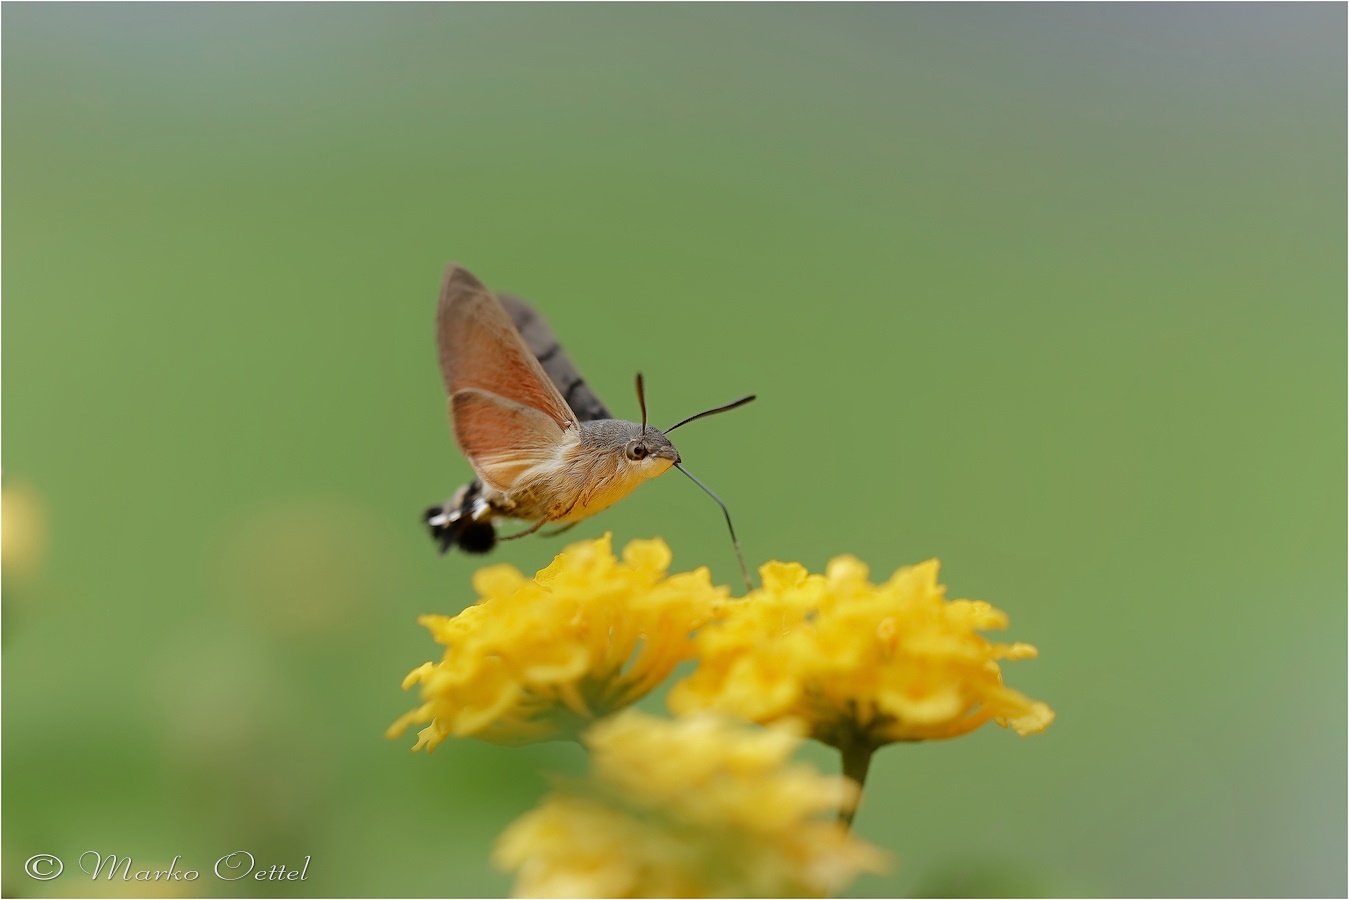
(562, 515)
(527, 532)
(563, 530)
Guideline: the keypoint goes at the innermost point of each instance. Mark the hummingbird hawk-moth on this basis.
(544, 448)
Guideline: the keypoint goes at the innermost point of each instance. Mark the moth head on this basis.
(650, 451)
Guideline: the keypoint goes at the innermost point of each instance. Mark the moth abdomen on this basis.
(463, 521)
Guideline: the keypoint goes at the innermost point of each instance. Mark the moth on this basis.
(544, 448)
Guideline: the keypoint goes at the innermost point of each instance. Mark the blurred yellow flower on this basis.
(697, 807)
(23, 531)
(541, 658)
(861, 665)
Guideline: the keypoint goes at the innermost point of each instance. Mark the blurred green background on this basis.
(1055, 293)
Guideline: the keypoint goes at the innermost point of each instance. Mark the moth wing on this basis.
(541, 341)
(480, 349)
(502, 438)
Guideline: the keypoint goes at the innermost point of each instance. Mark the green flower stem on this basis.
(856, 762)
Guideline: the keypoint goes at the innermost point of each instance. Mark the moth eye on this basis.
(636, 451)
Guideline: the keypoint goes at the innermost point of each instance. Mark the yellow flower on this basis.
(698, 807)
(538, 659)
(861, 664)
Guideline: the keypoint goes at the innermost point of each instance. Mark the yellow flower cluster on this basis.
(540, 658)
(696, 807)
(861, 664)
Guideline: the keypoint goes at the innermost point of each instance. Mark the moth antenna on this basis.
(735, 542)
(641, 400)
(720, 409)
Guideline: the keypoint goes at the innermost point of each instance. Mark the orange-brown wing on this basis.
(480, 349)
(503, 439)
